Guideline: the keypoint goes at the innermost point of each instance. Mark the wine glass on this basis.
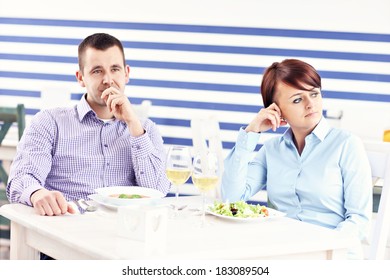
(178, 168)
(205, 176)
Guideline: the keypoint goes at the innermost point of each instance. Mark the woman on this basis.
(313, 172)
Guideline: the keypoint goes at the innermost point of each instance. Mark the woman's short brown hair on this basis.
(292, 72)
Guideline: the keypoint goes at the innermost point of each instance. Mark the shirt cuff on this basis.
(247, 140)
(25, 198)
(141, 146)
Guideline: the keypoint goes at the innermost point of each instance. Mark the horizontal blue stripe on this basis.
(177, 141)
(357, 96)
(20, 93)
(194, 86)
(40, 40)
(188, 142)
(201, 67)
(37, 76)
(215, 49)
(191, 104)
(319, 34)
(40, 58)
(138, 82)
(355, 76)
(31, 112)
(197, 86)
(222, 125)
(259, 51)
(171, 122)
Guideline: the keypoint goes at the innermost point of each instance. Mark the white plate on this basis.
(104, 196)
(100, 201)
(272, 214)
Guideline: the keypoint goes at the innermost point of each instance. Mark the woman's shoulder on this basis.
(345, 139)
(343, 135)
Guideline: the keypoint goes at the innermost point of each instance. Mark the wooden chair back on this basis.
(9, 116)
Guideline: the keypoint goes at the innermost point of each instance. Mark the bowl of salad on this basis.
(242, 211)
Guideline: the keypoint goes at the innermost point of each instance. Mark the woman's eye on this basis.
(297, 100)
(315, 94)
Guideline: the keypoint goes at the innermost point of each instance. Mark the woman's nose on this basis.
(309, 103)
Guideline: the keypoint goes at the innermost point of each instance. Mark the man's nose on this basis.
(107, 80)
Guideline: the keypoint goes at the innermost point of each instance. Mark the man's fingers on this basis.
(70, 209)
(62, 204)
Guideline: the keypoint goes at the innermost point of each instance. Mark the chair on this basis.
(142, 110)
(9, 116)
(206, 135)
(379, 156)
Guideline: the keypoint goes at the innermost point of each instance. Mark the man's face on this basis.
(102, 69)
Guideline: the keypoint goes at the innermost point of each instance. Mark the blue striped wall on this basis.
(190, 70)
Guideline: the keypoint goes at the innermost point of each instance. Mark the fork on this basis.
(83, 206)
(88, 207)
(179, 208)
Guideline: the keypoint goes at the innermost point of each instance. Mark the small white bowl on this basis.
(107, 192)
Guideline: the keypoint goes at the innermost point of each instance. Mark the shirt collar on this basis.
(83, 108)
(320, 131)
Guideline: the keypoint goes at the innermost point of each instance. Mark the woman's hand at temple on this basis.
(267, 118)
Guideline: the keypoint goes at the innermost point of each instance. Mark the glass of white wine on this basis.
(205, 176)
(178, 168)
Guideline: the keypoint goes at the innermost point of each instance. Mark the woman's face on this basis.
(302, 109)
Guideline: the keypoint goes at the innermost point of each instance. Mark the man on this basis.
(66, 153)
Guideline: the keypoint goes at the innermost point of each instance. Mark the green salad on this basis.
(239, 209)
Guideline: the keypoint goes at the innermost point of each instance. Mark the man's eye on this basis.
(96, 71)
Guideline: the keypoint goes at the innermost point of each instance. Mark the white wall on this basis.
(366, 118)
(337, 15)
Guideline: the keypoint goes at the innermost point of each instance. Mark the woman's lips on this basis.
(312, 114)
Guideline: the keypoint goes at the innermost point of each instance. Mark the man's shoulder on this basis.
(55, 114)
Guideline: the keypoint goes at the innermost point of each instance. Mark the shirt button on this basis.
(105, 145)
(142, 173)
(108, 164)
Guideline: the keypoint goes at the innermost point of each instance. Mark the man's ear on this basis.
(127, 71)
(80, 78)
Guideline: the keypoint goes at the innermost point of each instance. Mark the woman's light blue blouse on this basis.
(329, 184)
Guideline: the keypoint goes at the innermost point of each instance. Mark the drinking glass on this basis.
(386, 135)
(205, 176)
(178, 168)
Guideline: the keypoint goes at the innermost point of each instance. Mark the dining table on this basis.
(95, 235)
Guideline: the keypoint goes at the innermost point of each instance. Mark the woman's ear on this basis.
(80, 78)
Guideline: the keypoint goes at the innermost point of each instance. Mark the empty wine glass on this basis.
(205, 176)
(178, 168)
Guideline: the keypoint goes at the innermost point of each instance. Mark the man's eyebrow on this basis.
(116, 66)
(96, 67)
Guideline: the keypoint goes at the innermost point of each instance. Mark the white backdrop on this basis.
(360, 16)
(337, 15)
